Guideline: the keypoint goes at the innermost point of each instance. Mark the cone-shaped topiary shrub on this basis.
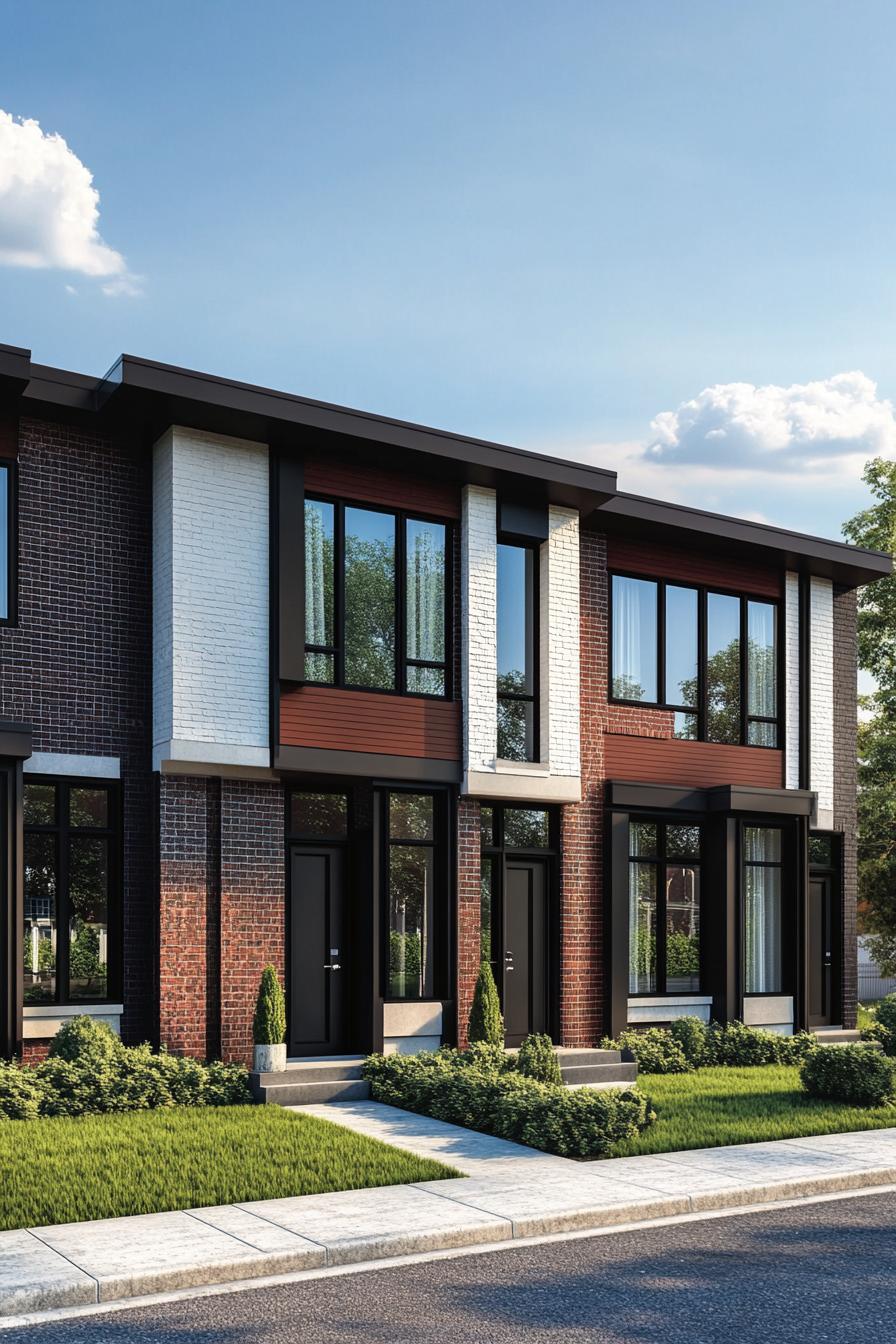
(486, 1022)
(269, 1023)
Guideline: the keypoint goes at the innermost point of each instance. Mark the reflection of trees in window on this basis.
(411, 878)
(516, 653)
(319, 594)
(664, 908)
(369, 599)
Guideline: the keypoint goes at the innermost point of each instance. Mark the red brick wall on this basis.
(76, 665)
(469, 865)
(183, 914)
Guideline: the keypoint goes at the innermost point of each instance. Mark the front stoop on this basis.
(836, 1036)
(306, 1082)
(595, 1068)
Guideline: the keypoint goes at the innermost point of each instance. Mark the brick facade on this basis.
(846, 784)
(76, 665)
(469, 870)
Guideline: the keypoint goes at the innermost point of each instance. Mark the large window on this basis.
(411, 826)
(710, 658)
(517, 653)
(664, 908)
(71, 892)
(375, 599)
(7, 543)
(763, 916)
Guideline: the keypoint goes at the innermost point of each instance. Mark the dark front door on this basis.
(317, 970)
(822, 951)
(525, 949)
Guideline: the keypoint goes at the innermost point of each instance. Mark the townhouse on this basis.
(283, 681)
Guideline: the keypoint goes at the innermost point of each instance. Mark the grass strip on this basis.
(66, 1170)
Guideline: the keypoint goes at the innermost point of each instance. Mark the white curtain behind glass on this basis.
(761, 671)
(426, 592)
(762, 911)
(315, 578)
(634, 639)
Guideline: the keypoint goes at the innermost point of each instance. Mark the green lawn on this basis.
(100, 1166)
(713, 1107)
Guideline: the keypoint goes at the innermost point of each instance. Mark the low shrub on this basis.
(537, 1059)
(89, 1072)
(737, 1046)
(653, 1050)
(857, 1074)
(486, 1023)
(884, 1026)
(508, 1104)
(691, 1033)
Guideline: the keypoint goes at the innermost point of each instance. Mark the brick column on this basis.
(183, 906)
(253, 903)
(469, 869)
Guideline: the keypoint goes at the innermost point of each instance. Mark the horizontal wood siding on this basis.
(672, 562)
(395, 725)
(657, 760)
(376, 485)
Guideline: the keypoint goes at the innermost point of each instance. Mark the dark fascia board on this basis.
(366, 764)
(15, 740)
(623, 795)
(650, 519)
(224, 406)
(15, 367)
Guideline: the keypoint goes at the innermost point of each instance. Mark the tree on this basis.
(486, 1022)
(875, 527)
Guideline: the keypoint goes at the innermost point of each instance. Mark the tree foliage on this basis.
(486, 1022)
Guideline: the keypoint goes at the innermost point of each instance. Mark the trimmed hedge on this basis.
(537, 1059)
(480, 1094)
(89, 1072)
(692, 1044)
(883, 1029)
(857, 1074)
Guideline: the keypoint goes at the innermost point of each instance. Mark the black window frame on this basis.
(63, 831)
(787, 865)
(662, 861)
(496, 854)
(519, 697)
(442, 884)
(402, 662)
(11, 542)
(701, 709)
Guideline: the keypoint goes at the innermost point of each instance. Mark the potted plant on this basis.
(269, 1024)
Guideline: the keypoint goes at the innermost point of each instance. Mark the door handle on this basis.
(332, 966)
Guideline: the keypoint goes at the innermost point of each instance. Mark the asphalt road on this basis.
(821, 1273)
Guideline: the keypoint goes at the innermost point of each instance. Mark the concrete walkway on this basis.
(507, 1192)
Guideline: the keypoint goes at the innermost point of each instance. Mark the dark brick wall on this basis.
(469, 867)
(845, 783)
(77, 665)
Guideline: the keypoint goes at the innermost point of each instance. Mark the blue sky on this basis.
(547, 224)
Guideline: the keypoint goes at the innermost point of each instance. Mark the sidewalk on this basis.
(507, 1192)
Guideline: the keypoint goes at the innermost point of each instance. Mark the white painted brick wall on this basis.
(560, 631)
(479, 566)
(210, 595)
(821, 680)
(792, 681)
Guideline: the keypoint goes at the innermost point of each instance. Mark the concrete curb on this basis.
(86, 1264)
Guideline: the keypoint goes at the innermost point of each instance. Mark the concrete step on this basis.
(577, 1074)
(314, 1071)
(569, 1057)
(307, 1094)
(836, 1036)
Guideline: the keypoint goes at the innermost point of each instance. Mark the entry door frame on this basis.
(831, 876)
(16, 741)
(538, 863)
(328, 848)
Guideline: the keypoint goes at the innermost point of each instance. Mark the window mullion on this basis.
(401, 578)
(744, 661)
(661, 641)
(63, 914)
(339, 592)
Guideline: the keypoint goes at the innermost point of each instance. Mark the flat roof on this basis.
(144, 396)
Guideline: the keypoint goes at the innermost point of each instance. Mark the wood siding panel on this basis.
(395, 725)
(657, 760)
(671, 562)
(377, 485)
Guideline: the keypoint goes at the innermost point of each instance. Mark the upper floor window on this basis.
(517, 647)
(376, 599)
(6, 541)
(710, 658)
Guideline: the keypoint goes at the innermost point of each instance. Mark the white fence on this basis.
(872, 985)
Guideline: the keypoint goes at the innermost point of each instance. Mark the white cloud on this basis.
(807, 427)
(49, 209)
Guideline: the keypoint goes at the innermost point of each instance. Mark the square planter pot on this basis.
(270, 1058)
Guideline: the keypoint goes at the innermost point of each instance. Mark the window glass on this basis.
(319, 814)
(634, 639)
(821, 851)
(410, 921)
(683, 842)
(487, 825)
(425, 605)
(319, 572)
(682, 928)
(762, 844)
(88, 890)
(516, 652)
(526, 828)
(4, 543)
(411, 816)
(681, 646)
(486, 906)
(642, 839)
(723, 668)
(684, 726)
(762, 910)
(761, 672)
(88, 807)
(369, 599)
(642, 927)
(39, 807)
(40, 917)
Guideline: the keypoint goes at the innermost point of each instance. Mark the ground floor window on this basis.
(411, 829)
(664, 908)
(763, 962)
(72, 891)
